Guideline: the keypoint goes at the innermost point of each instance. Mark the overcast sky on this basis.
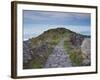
(36, 22)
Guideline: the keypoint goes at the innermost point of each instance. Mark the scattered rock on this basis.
(58, 58)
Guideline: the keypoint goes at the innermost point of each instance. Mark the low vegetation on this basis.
(76, 57)
(74, 53)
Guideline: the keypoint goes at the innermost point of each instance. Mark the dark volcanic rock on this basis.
(76, 39)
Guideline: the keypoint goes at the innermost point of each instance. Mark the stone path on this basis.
(58, 58)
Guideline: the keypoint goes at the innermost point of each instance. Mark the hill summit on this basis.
(55, 35)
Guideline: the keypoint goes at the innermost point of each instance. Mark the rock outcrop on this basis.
(86, 49)
(76, 40)
(27, 51)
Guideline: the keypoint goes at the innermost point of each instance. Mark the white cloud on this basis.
(43, 15)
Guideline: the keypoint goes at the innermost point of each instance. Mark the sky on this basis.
(36, 22)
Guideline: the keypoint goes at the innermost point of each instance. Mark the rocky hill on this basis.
(37, 51)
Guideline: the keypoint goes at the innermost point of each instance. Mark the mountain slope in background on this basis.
(37, 51)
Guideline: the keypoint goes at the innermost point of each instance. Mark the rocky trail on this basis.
(58, 57)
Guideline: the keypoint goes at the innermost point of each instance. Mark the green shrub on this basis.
(67, 46)
(74, 54)
(76, 57)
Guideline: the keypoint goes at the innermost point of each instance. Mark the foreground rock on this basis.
(86, 49)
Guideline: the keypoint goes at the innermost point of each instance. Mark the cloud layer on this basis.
(48, 17)
(36, 22)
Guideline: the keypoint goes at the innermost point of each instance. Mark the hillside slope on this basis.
(41, 47)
